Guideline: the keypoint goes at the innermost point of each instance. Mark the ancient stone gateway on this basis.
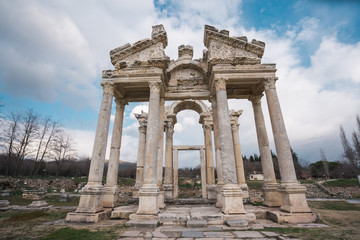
(231, 68)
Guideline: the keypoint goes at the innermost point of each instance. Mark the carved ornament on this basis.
(154, 86)
(256, 99)
(220, 83)
(269, 83)
(108, 88)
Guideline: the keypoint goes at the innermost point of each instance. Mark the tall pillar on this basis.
(240, 173)
(160, 162)
(292, 193)
(272, 197)
(91, 196)
(210, 174)
(168, 179)
(111, 196)
(176, 173)
(142, 118)
(231, 192)
(148, 194)
(219, 172)
(203, 173)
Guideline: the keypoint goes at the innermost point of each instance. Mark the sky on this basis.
(52, 54)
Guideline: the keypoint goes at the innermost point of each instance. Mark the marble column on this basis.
(91, 196)
(232, 202)
(168, 180)
(210, 174)
(240, 173)
(219, 172)
(292, 193)
(203, 173)
(111, 196)
(160, 162)
(142, 118)
(148, 194)
(272, 196)
(176, 172)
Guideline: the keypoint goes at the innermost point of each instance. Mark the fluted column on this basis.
(272, 197)
(91, 196)
(160, 162)
(111, 196)
(240, 173)
(292, 193)
(148, 194)
(231, 192)
(168, 180)
(142, 118)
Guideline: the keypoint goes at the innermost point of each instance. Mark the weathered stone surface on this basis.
(143, 223)
(38, 204)
(236, 223)
(33, 194)
(283, 217)
(88, 217)
(248, 234)
(123, 212)
(196, 223)
(192, 234)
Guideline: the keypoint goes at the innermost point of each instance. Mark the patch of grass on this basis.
(22, 216)
(335, 205)
(353, 182)
(306, 181)
(27, 216)
(78, 234)
(126, 181)
(254, 184)
(17, 200)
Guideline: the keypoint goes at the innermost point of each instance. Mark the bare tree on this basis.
(62, 150)
(352, 152)
(47, 133)
(325, 163)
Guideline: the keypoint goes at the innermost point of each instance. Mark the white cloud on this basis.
(138, 109)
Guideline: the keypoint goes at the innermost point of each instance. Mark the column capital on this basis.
(269, 83)
(235, 127)
(255, 99)
(169, 126)
(220, 83)
(108, 88)
(207, 127)
(154, 86)
(142, 128)
(120, 102)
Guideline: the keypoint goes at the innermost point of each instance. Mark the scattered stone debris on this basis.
(38, 204)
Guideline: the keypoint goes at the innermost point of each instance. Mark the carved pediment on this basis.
(233, 50)
(146, 52)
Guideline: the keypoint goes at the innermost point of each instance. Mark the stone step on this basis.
(237, 223)
(123, 212)
(196, 223)
(137, 223)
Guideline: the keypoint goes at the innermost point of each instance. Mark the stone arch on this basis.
(196, 105)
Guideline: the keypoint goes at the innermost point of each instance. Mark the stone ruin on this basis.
(230, 68)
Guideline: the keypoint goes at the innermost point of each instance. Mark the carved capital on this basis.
(108, 88)
(255, 99)
(207, 127)
(169, 127)
(269, 83)
(142, 128)
(120, 103)
(154, 86)
(220, 83)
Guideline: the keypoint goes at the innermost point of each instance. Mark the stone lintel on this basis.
(188, 147)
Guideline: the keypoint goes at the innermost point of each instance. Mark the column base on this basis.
(232, 199)
(293, 198)
(219, 198)
(272, 197)
(135, 193)
(245, 189)
(161, 197)
(148, 200)
(211, 192)
(168, 194)
(111, 197)
(91, 199)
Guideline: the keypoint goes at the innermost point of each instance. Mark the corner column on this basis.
(142, 118)
(111, 196)
(148, 194)
(168, 180)
(231, 192)
(292, 193)
(240, 174)
(92, 194)
(272, 196)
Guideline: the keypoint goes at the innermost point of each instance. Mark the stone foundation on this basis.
(88, 217)
(293, 198)
(272, 197)
(232, 199)
(111, 197)
(91, 199)
(148, 200)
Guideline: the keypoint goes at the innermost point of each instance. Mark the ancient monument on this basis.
(231, 68)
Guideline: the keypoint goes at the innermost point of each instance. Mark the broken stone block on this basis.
(38, 204)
